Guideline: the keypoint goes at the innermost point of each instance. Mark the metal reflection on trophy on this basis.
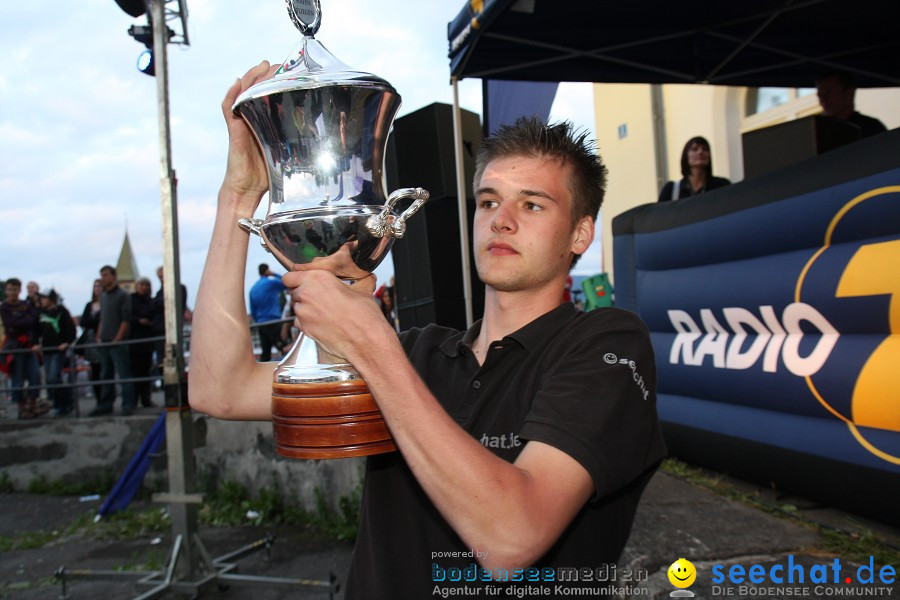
(322, 128)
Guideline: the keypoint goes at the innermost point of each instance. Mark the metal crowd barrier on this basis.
(75, 364)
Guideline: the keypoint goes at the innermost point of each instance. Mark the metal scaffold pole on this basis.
(183, 503)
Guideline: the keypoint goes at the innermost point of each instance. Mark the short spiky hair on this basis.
(531, 137)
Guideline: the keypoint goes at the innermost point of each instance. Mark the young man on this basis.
(526, 440)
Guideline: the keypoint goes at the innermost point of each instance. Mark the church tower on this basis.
(126, 268)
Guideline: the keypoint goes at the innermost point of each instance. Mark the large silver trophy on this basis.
(323, 129)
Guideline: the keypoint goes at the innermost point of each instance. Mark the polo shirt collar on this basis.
(529, 337)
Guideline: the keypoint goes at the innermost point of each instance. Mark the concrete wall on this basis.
(245, 452)
(74, 450)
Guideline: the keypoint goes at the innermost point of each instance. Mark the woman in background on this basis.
(696, 171)
(90, 321)
(141, 328)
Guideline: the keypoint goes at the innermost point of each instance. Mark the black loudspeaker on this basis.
(427, 261)
(135, 8)
(784, 144)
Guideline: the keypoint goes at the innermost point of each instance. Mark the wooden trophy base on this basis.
(337, 419)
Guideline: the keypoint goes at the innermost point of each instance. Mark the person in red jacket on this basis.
(20, 322)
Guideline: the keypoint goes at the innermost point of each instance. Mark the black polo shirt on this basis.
(584, 383)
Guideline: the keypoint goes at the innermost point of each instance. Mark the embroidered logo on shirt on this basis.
(612, 359)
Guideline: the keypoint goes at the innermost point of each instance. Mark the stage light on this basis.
(144, 35)
(145, 63)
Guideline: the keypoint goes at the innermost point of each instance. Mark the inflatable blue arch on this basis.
(774, 310)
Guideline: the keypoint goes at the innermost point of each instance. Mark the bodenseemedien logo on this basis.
(682, 574)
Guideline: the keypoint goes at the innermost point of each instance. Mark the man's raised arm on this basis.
(225, 380)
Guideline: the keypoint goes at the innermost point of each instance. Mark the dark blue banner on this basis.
(776, 318)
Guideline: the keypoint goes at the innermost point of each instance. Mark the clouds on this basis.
(79, 148)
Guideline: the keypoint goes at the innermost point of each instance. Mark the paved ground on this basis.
(676, 519)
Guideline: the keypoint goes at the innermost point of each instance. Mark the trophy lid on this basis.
(310, 65)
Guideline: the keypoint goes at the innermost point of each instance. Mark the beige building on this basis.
(641, 130)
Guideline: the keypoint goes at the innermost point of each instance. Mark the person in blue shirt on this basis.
(266, 300)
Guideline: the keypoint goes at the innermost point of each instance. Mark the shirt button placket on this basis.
(469, 401)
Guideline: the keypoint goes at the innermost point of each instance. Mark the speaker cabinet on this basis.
(784, 144)
(427, 261)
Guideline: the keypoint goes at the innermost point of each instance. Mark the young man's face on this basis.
(32, 288)
(524, 235)
(12, 292)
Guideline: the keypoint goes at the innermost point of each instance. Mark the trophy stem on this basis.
(322, 407)
(311, 362)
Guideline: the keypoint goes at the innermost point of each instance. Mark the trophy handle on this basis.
(253, 226)
(378, 224)
(398, 227)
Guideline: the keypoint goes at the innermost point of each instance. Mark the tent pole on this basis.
(461, 200)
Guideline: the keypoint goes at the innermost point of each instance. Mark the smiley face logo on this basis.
(682, 573)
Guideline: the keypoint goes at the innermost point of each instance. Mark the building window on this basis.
(759, 100)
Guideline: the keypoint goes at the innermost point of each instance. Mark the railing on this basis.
(74, 363)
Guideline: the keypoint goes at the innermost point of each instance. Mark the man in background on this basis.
(115, 318)
(158, 317)
(837, 92)
(34, 294)
(266, 305)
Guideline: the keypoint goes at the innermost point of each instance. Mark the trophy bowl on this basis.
(322, 129)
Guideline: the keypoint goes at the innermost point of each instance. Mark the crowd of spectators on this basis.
(117, 341)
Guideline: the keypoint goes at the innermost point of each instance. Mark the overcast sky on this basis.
(79, 154)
